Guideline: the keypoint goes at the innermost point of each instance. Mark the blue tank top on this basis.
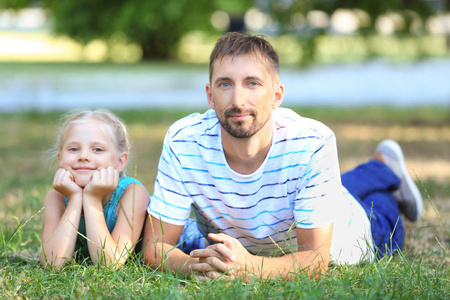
(109, 211)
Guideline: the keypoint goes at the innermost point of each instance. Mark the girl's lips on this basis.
(84, 169)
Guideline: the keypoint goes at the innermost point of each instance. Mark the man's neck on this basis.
(246, 155)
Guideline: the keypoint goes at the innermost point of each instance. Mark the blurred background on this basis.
(144, 54)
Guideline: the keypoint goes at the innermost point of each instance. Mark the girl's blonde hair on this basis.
(114, 123)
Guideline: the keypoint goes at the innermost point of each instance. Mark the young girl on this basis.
(93, 208)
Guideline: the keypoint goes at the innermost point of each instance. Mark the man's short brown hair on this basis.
(236, 44)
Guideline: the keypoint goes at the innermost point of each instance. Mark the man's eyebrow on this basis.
(253, 78)
(218, 79)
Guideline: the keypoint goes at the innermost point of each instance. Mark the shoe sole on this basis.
(408, 189)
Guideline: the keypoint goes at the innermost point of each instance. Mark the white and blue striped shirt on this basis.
(298, 185)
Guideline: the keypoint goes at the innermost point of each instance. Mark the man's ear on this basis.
(209, 95)
(123, 160)
(278, 96)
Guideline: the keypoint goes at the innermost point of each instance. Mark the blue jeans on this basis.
(191, 238)
(372, 185)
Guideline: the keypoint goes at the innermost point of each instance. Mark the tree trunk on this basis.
(447, 39)
(160, 47)
(154, 51)
(446, 9)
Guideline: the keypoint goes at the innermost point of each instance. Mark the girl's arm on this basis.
(103, 246)
(59, 232)
(130, 221)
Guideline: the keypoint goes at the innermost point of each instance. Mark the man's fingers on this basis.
(206, 277)
(218, 275)
(202, 278)
(221, 251)
(202, 267)
(210, 264)
(224, 251)
(226, 241)
(207, 252)
(219, 237)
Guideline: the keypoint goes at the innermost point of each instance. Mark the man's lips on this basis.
(238, 114)
(239, 117)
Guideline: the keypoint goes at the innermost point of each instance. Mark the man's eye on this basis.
(253, 83)
(224, 84)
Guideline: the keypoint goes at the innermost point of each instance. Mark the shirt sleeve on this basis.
(319, 191)
(171, 202)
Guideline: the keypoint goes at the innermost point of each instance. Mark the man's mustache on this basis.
(239, 111)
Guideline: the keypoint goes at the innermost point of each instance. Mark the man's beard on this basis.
(238, 130)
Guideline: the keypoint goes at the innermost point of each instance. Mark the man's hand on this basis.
(64, 183)
(227, 259)
(103, 181)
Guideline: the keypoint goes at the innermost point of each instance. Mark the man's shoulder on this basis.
(293, 122)
(193, 124)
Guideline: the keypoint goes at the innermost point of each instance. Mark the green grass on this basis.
(421, 271)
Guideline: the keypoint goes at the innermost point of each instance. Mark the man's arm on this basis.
(160, 246)
(231, 258)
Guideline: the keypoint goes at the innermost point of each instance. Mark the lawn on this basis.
(420, 271)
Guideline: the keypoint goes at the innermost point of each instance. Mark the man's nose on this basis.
(239, 96)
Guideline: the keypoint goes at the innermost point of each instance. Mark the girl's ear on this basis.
(58, 156)
(123, 160)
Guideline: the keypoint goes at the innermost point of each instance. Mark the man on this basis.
(264, 183)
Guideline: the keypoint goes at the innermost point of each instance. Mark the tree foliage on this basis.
(282, 12)
(158, 26)
(155, 25)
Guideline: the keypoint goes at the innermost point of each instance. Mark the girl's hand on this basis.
(64, 183)
(103, 181)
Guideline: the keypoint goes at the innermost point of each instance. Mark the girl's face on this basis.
(87, 147)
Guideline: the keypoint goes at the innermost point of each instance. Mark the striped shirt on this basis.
(298, 185)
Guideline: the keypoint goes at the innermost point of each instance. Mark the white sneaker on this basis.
(408, 195)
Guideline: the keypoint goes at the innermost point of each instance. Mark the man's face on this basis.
(243, 93)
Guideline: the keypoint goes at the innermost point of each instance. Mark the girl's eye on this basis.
(98, 149)
(73, 149)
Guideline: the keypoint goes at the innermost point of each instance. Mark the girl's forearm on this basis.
(101, 245)
(59, 245)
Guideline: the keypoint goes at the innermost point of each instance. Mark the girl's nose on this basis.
(84, 155)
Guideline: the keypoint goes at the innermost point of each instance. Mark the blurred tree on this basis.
(157, 26)
(284, 11)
